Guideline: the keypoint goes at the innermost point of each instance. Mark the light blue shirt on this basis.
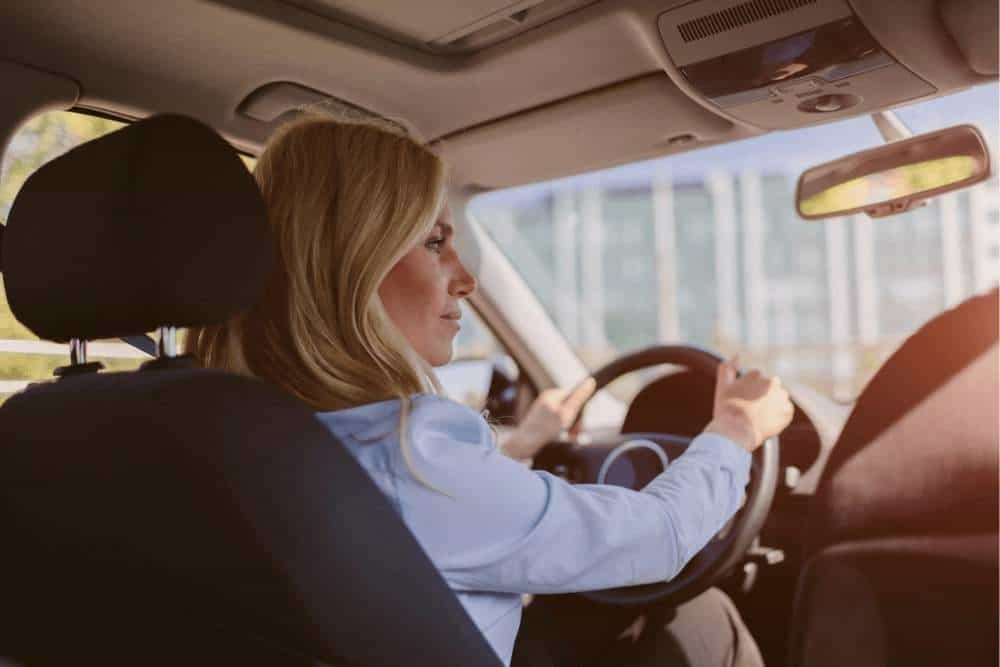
(496, 529)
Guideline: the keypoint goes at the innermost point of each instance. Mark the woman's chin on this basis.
(440, 358)
(443, 361)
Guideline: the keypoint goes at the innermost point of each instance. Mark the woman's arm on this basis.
(584, 537)
(502, 527)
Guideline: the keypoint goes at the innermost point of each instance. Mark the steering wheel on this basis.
(592, 462)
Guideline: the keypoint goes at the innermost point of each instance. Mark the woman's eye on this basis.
(435, 244)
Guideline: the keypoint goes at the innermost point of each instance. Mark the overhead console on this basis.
(780, 64)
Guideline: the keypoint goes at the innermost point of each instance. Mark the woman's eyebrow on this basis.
(446, 228)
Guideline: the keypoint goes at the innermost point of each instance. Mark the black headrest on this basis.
(159, 223)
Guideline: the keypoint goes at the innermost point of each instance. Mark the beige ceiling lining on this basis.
(632, 120)
(203, 57)
(975, 33)
(597, 93)
(916, 36)
(436, 95)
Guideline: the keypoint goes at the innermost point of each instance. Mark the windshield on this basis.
(705, 248)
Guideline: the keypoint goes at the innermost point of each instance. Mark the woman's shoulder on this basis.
(444, 439)
(432, 412)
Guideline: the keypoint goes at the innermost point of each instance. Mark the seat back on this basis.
(902, 533)
(178, 515)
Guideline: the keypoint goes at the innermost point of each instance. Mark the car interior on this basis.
(166, 514)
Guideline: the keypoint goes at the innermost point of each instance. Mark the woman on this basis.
(365, 302)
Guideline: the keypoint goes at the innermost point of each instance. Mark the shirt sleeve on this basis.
(491, 524)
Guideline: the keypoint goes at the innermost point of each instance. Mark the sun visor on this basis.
(638, 119)
(973, 26)
(780, 64)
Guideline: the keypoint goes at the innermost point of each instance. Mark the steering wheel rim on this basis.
(721, 554)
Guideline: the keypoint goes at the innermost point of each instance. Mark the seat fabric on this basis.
(899, 601)
(902, 538)
(188, 516)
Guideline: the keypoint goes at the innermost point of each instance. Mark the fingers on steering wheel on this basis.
(572, 404)
(726, 374)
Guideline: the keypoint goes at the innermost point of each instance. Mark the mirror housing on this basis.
(896, 177)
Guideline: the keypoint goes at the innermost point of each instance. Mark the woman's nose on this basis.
(464, 283)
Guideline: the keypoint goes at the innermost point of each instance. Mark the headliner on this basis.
(504, 113)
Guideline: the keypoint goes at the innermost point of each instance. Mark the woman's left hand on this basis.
(553, 411)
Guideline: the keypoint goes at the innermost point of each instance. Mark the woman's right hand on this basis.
(750, 408)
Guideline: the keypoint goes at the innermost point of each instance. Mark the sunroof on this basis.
(455, 27)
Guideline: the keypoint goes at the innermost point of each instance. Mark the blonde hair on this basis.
(346, 201)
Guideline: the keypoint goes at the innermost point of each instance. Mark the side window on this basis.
(23, 357)
(477, 352)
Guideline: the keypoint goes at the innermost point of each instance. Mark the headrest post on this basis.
(77, 351)
(166, 348)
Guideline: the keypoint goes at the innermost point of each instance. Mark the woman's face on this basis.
(422, 291)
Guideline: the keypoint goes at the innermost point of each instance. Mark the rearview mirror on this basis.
(896, 177)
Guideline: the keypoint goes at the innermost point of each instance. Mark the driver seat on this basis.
(176, 515)
(902, 532)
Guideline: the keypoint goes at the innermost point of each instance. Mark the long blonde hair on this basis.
(345, 201)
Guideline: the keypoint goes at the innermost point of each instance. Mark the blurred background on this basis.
(706, 248)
